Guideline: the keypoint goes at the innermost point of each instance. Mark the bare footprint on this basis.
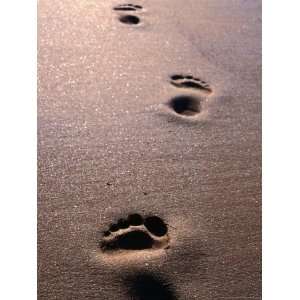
(188, 105)
(129, 19)
(128, 7)
(136, 233)
(188, 81)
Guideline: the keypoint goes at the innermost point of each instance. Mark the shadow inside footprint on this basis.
(145, 286)
(156, 226)
(133, 240)
(185, 105)
(129, 19)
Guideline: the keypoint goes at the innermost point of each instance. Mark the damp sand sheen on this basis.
(149, 149)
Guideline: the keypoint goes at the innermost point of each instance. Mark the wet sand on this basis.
(160, 118)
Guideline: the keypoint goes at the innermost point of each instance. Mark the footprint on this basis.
(129, 19)
(147, 286)
(188, 105)
(127, 7)
(136, 233)
(188, 81)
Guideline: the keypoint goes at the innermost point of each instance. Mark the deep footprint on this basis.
(128, 7)
(129, 19)
(185, 105)
(135, 233)
(188, 81)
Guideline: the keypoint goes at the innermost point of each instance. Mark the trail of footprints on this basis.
(135, 233)
(185, 105)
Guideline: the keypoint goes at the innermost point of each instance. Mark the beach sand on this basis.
(155, 114)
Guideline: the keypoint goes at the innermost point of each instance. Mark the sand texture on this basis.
(149, 149)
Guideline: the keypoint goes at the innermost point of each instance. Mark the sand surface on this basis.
(160, 118)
